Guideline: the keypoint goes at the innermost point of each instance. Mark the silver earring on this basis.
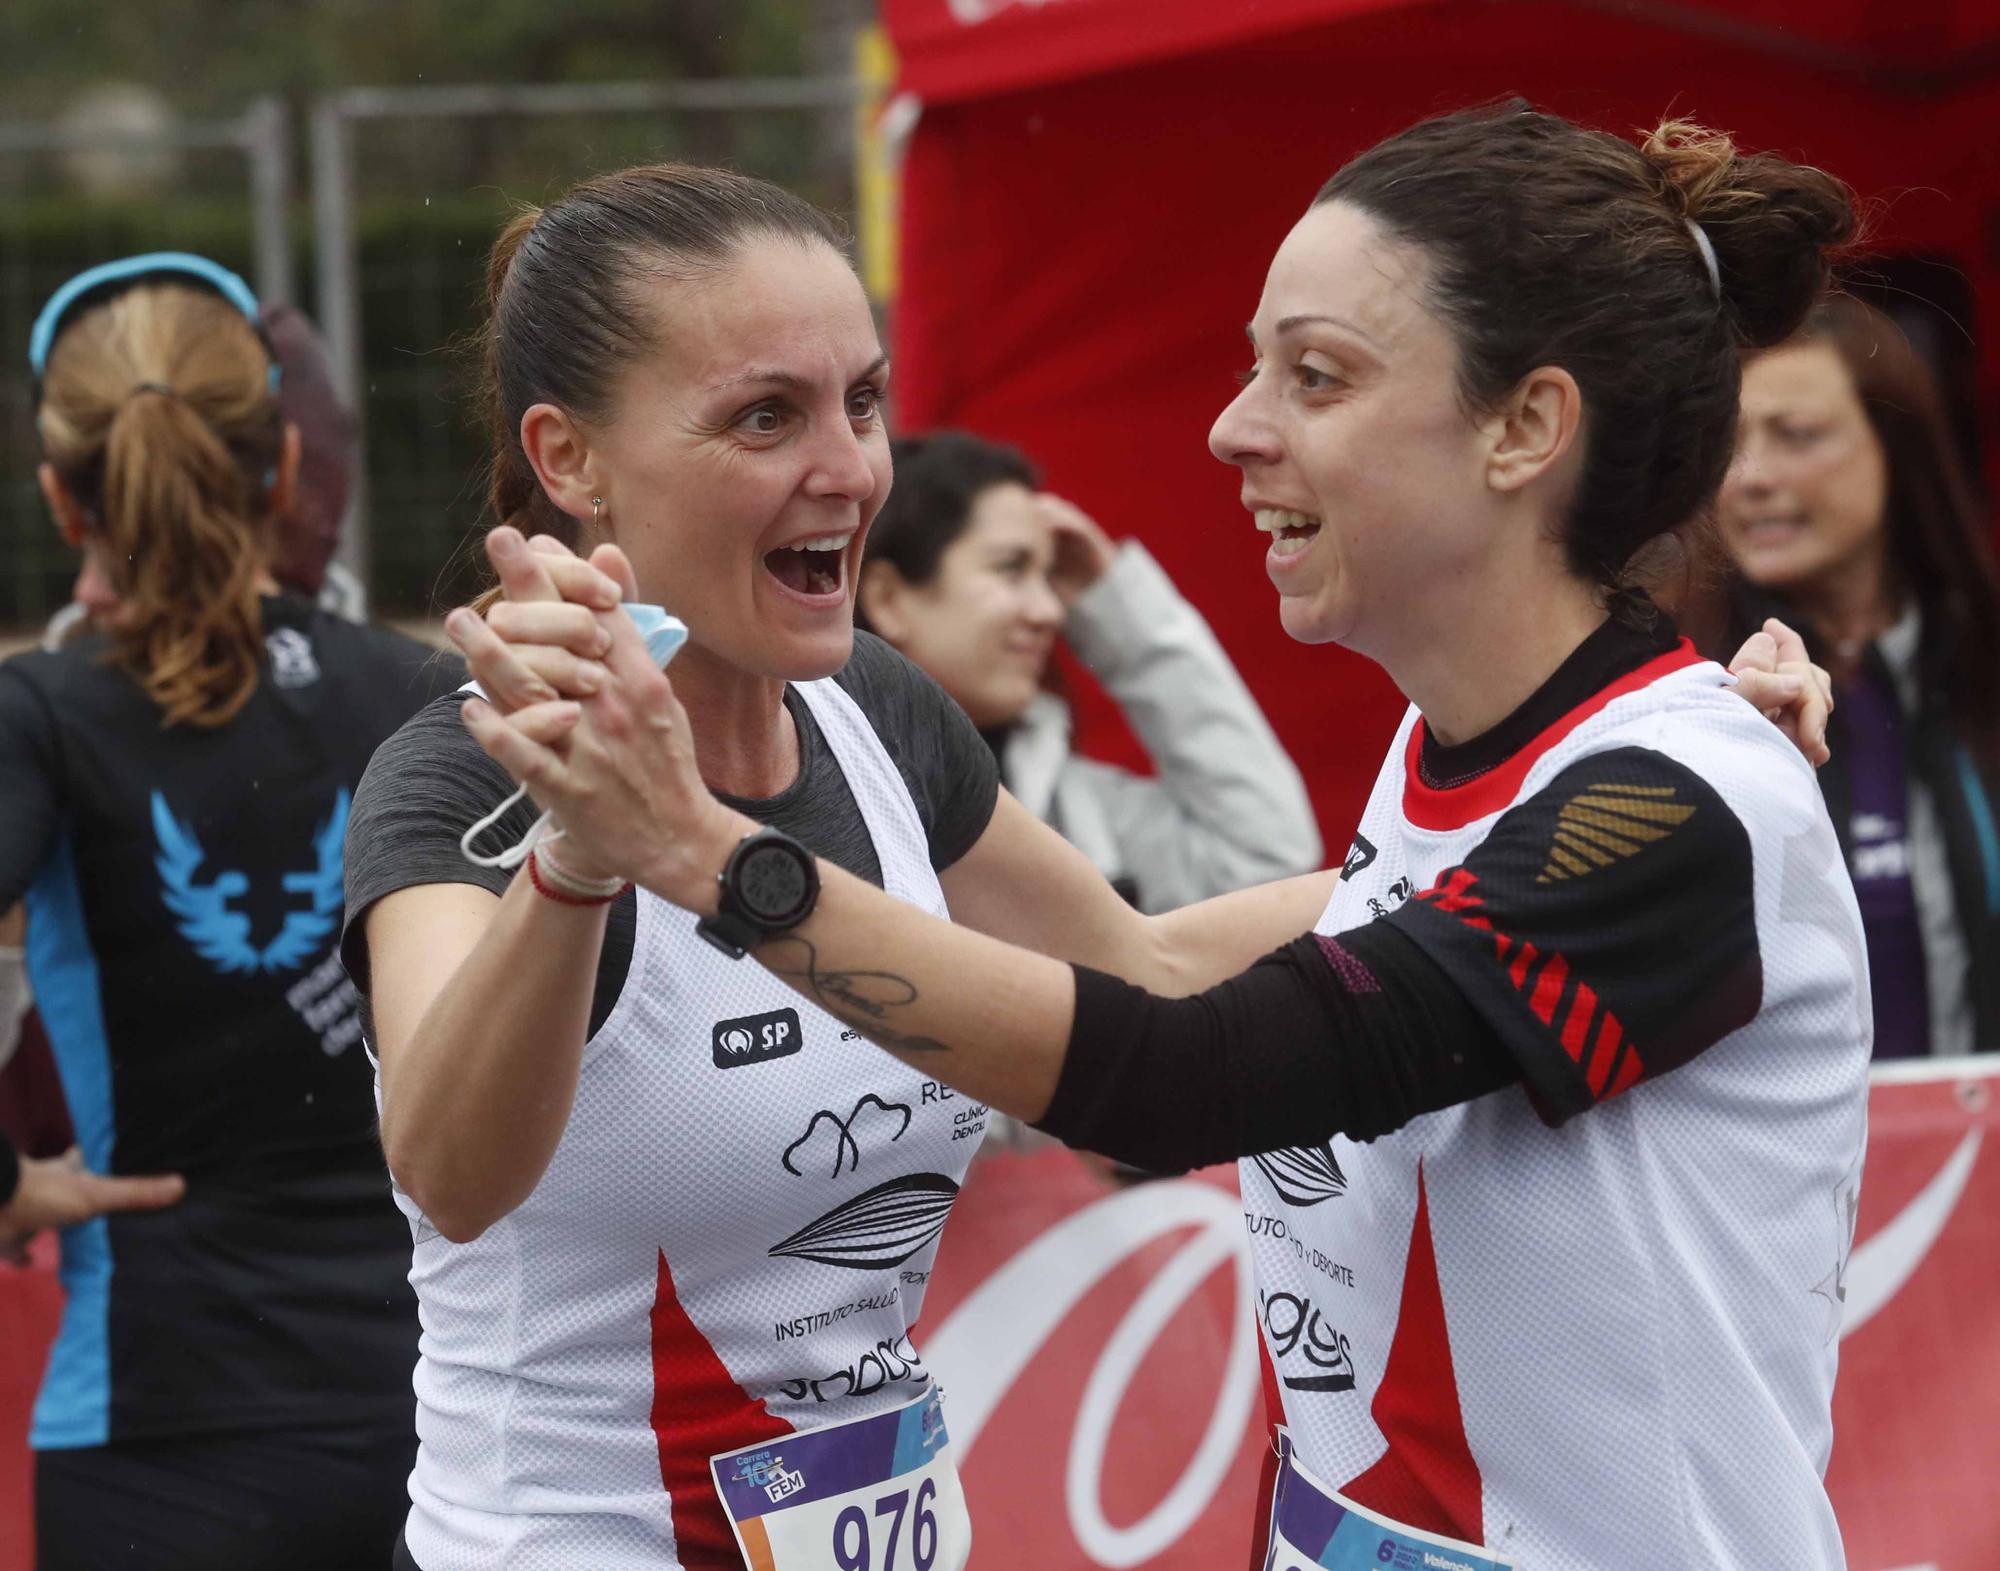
(596, 509)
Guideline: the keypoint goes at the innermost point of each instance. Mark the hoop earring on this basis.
(596, 511)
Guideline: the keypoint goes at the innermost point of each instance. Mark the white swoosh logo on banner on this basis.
(1881, 1266)
(994, 1335)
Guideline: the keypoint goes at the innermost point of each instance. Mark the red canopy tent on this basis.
(1094, 188)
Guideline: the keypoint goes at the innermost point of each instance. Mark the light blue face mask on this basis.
(664, 636)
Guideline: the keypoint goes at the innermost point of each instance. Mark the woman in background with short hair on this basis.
(973, 571)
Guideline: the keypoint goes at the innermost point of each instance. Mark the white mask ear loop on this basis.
(545, 829)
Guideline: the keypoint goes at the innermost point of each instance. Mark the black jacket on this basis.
(1965, 790)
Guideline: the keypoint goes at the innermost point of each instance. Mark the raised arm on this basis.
(628, 790)
(1022, 882)
(481, 1007)
(480, 988)
(1353, 1035)
(1003, 1023)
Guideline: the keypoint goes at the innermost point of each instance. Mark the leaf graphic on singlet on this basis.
(1303, 1175)
(1606, 823)
(879, 1227)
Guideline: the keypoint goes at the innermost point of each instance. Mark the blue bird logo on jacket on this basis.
(221, 934)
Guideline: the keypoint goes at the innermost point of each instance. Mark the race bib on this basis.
(1314, 1525)
(875, 1494)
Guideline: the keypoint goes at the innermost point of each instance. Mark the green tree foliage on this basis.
(209, 56)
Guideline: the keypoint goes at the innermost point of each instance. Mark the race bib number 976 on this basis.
(876, 1494)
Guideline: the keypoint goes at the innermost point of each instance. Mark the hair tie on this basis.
(151, 387)
(1707, 249)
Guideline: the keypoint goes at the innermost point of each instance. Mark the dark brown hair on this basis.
(566, 311)
(328, 449)
(1939, 536)
(1550, 244)
(940, 477)
(158, 414)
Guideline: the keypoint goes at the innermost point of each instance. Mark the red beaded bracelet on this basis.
(563, 897)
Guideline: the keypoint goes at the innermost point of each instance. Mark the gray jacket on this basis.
(1227, 807)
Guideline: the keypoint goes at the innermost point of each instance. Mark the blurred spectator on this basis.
(972, 573)
(1849, 514)
(328, 449)
(231, 1385)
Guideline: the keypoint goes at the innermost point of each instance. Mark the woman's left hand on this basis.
(1774, 675)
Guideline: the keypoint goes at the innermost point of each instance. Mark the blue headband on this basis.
(110, 277)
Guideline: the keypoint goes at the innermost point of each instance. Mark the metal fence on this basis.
(408, 188)
(73, 195)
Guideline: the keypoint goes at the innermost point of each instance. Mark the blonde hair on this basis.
(158, 414)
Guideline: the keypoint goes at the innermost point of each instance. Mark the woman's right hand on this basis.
(549, 635)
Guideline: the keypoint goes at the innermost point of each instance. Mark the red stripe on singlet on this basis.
(698, 1410)
(1453, 807)
(1427, 1478)
(1267, 1480)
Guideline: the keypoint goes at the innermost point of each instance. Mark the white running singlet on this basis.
(730, 1244)
(1607, 1345)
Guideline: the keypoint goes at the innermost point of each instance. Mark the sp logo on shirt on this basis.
(757, 1039)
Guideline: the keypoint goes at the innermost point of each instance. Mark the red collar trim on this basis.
(1428, 807)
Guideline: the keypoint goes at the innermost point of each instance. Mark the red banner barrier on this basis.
(1099, 1350)
(1085, 1341)
(30, 1309)
(1916, 1412)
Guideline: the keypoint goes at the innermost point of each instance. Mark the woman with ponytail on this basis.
(230, 1386)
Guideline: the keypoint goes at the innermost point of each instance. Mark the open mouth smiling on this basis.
(1290, 531)
(814, 569)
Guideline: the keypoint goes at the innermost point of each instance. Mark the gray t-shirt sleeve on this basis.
(952, 774)
(422, 790)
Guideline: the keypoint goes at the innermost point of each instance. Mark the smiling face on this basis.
(985, 621)
(1358, 460)
(745, 459)
(1803, 506)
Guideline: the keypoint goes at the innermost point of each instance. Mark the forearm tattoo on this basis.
(865, 1000)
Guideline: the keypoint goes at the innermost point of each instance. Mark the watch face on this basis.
(771, 881)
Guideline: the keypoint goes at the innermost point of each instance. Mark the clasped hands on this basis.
(577, 711)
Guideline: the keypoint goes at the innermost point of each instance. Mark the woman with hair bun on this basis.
(1550, 1165)
(230, 1386)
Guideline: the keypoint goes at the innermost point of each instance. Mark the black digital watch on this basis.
(768, 886)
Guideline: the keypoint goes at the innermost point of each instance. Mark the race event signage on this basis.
(1098, 1348)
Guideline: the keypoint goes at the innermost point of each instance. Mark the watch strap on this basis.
(730, 933)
